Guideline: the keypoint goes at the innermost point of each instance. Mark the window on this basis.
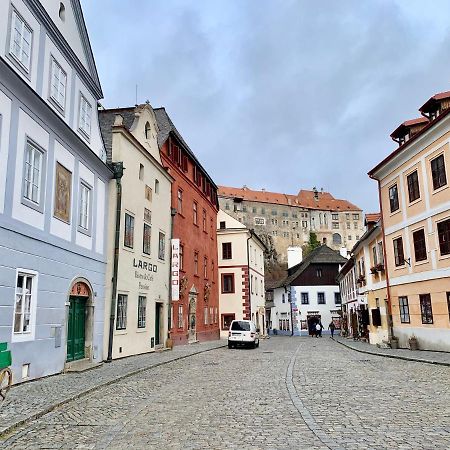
(413, 186)
(337, 298)
(319, 272)
(404, 309)
(180, 316)
(321, 298)
(204, 221)
(420, 249)
(121, 320)
(274, 212)
(283, 298)
(84, 120)
(337, 239)
(335, 216)
(355, 216)
(62, 11)
(181, 257)
(444, 236)
(180, 201)
(227, 206)
(348, 225)
(251, 285)
(129, 231)
(226, 321)
(156, 186)
(194, 213)
(227, 283)
(147, 215)
(33, 169)
(195, 263)
(304, 224)
(263, 210)
(162, 246)
(393, 198)
(141, 172)
(85, 201)
(304, 298)
(146, 240)
(335, 225)
(425, 308)
(438, 172)
(226, 250)
(25, 299)
(380, 253)
(58, 82)
(20, 41)
(355, 225)
(254, 210)
(142, 305)
(147, 130)
(205, 267)
(222, 225)
(374, 254)
(205, 315)
(398, 252)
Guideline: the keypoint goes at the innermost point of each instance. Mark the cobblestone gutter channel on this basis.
(30, 401)
(304, 412)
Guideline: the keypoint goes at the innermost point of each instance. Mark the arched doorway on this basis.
(79, 321)
(192, 321)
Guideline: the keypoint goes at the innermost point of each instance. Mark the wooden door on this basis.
(76, 329)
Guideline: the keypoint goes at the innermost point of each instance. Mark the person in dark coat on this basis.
(332, 327)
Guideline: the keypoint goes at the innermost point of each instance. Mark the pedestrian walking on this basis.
(319, 327)
(332, 327)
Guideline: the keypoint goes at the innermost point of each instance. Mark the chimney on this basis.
(245, 187)
(316, 193)
(295, 256)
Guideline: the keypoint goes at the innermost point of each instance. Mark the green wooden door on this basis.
(76, 329)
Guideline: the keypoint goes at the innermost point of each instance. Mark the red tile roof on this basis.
(304, 199)
(373, 217)
(409, 123)
(432, 100)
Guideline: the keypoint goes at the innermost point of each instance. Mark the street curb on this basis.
(405, 358)
(9, 429)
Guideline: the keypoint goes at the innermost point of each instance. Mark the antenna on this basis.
(136, 94)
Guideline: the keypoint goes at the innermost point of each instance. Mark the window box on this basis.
(379, 267)
(373, 270)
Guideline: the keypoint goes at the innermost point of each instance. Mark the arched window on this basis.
(147, 131)
(62, 11)
(337, 239)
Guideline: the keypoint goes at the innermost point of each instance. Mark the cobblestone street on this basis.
(291, 393)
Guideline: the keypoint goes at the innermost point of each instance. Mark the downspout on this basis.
(292, 317)
(388, 289)
(118, 173)
(249, 279)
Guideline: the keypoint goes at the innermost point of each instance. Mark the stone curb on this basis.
(10, 428)
(386, 355)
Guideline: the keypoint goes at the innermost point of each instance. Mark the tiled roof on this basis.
(320, 255)
(429, 104)
(400, 130)
(304, 199)
(373, 217)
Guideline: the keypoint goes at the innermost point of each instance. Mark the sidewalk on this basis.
(31, 400)
(423, 356)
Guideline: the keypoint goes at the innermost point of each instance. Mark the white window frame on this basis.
(162, 248)
(142, 312)
(24, 26)
(123, 317)
(56, 69)
(84, 208)
(85, 120)
(29, 335)
(28, 176)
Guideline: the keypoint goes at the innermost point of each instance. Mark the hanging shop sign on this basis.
(175, 269)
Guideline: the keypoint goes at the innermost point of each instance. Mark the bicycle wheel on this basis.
(5, 382)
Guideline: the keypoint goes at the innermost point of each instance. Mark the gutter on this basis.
(118, 169)
(249, 278)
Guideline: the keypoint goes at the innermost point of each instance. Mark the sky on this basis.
(277, 94)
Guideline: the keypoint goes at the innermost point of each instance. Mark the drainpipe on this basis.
(118, 173)
(249, 278)
(388, 290)
(292, 317)
(173, 212)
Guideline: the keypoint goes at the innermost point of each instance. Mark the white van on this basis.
(243, 332)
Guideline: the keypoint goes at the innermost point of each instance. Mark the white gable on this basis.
(230, 222)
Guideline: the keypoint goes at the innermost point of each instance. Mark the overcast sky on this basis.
(277, 94)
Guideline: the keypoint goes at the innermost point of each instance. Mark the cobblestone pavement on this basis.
(419, 355)
(29, 400)
(291, 393)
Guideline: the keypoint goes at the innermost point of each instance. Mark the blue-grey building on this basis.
(53, 189)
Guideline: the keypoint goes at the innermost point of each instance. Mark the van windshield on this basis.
(240, 326)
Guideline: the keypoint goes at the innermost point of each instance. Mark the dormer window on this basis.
(147, 131)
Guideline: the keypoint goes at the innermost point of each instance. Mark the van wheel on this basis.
(253, 345)
(257, 344)
(229, 345)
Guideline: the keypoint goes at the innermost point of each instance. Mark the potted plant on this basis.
(413, 344)
(394, 342)
(373, 270)
(379, 267)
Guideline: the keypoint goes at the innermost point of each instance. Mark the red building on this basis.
(195, 315)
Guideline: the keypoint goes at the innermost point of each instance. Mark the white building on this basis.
(309, 294)
(241, 274)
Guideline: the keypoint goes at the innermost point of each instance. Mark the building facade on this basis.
(362, 282)
(241, 274)
(310, 293)
(195, 301)
(53, 193)
(139, 292)
(415, 205)
(284, 220)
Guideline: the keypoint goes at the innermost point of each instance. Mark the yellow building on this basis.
(139, 245)
(415, 204)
